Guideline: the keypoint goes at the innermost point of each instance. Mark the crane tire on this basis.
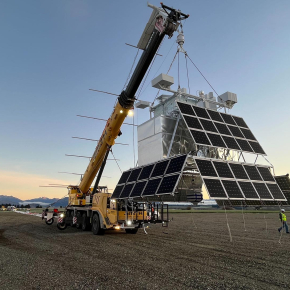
(49, 222)
(61, 226)
(79, 220)
(131, 231)
(96, 227)
(85, 222)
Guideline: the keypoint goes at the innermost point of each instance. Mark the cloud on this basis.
(26, 186)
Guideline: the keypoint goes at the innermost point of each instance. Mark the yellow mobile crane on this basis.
(92, 207)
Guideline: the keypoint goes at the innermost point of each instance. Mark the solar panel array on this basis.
(159, 178)
(212, 128)
(237, 181)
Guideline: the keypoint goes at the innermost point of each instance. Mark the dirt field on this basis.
(186, 255)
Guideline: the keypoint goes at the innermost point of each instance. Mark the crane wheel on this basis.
(49, 222)
(69, 215)
(79, 220)
(96, 227)
(85, 222)
(61, 226)
(131, 231)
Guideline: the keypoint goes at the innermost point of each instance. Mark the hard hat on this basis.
(282, 209)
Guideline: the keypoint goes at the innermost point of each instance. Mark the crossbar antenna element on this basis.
(71, 155)
(96, 140)
(102, 119)
(104, 92)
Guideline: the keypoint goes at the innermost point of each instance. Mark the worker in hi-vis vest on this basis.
(283, 219)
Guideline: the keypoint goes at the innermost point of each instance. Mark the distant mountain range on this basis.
(43, 201)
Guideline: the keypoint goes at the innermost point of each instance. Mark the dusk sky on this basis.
(53, 52)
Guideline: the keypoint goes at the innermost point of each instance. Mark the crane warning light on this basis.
(131, 113)
(121, 111)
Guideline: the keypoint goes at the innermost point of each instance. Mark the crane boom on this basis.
(164, 24)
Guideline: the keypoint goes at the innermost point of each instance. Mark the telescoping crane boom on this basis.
(91, 206)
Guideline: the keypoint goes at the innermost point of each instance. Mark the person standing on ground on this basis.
(283, 219)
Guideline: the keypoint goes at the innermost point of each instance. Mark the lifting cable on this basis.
(202, 74)
(159, 67)
(166, 73)
(144, 80)
(116, 159)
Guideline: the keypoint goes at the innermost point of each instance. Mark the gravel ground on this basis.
(195, 252)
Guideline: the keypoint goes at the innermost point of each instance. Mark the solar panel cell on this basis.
(186, 109)
(253, 172)
(127, 190)
(248, 190)
(232, 189)
(201, 112)
(214, 188)
(176, 164)
(223, 129)
(117, 191)
(159, 168)
(215, 116)
(151, 187)
(262, 190)
(168, 184)
(236, 131)
(240, 122)
(205, 168)
(256, 147)
(231, 143)
(283, 182)
(208, 125)
(216, 140)
(275, 191)
(266, 174)
(228, 119)
(124, 177)
(223, 169)
(245, 146)
(248, 134)
(200, 137)
(134, 175)
(238, 171)
(146, 172)
(138, 188)
(192, 122)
